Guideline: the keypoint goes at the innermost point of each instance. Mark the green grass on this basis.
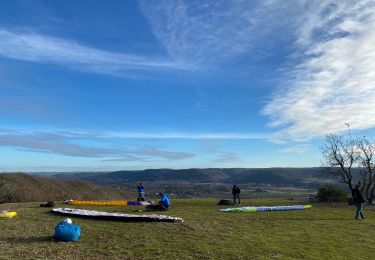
(323, 232)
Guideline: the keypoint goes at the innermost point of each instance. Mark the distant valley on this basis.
(183, 183)
(209, 182)
(299, 177)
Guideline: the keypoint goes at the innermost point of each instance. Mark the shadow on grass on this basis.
(303, 219)
(28, 240)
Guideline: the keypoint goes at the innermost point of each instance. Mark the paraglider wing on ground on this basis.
(266, 208)
(114, 216)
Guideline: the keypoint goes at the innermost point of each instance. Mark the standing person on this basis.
(141, 192)
(236, 194)
(358, 201)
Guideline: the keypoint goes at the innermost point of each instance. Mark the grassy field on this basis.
(323, 232)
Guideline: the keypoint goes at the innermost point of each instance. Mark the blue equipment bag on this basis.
(67, 232)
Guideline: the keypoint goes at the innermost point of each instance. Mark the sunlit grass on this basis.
(323, 232)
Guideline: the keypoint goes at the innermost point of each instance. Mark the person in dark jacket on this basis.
(358, 201)
(236, 194)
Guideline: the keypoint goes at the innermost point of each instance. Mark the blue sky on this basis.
(110, 85)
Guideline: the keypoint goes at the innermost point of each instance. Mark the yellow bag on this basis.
(7, 214)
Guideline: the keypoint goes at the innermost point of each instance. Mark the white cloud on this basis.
(219, 33)
(335, 81)
(299, 148)
(76, 143)
(48, 142)
(147, 154)
(170, 155)
(195, 34)
(185, 135)
(34, 47)
(227, 158)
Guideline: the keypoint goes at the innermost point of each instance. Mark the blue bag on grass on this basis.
(67, 232)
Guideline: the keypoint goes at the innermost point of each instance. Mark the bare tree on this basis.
(340, 156)
(351, 160)
(366, 161)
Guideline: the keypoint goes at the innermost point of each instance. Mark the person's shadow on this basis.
(302, 219)
(28, 240)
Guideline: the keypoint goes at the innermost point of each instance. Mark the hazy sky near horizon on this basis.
(108, 85)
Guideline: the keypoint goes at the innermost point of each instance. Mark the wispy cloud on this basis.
(195, 35)
(69, 143)
(227, 157)
(299, 148)
(186, 135)
(127, 158)
(51, 143)
(333, 81)
(146, 154)
(34, 47)
(153, 152)
(217, 33)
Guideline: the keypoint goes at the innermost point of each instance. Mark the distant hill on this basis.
(299, 177)
(20, 187)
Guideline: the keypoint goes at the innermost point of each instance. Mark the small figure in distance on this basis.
(141, 192)
(236, 194)
(164, 203)
(358, 201)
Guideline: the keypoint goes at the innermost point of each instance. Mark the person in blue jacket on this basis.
(141, 192)
(163, 204)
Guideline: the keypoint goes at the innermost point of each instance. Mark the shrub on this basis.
(330, 192)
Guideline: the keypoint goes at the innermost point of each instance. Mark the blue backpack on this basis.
(67, 232)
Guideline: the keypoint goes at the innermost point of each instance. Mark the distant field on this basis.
(323, 232)
(207, 182)
(219, 190)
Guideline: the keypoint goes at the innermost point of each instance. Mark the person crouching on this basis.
(164, 203)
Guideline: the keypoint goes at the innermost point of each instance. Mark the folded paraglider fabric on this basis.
(114, 216)
(98, 202)
(109, 202)
(7, 214)
(266, 208)
(140, 203)
(67, 232)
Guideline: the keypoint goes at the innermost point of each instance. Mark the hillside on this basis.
(299, 177)
(17, 187)
(210, 182)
